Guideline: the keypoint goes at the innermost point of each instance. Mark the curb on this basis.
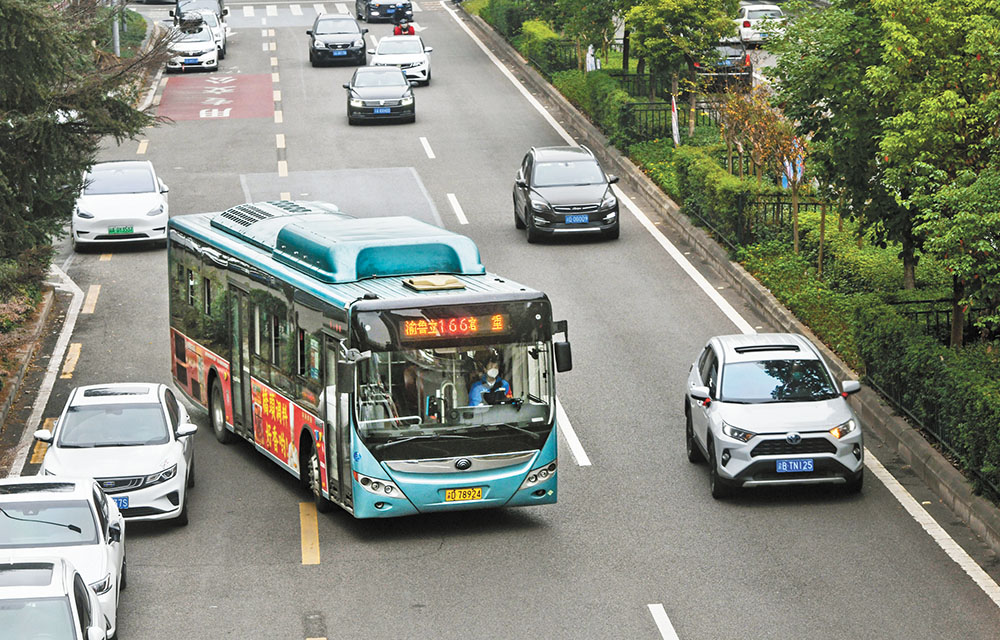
(947, 482)
(152, 28)
(26, 352)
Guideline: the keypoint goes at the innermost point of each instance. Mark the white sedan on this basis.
(194, 48)
(121, 202)
(758, 22)
(406, 52)
(134, 439)
(69, 518)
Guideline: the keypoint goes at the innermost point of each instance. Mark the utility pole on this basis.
(115, 17)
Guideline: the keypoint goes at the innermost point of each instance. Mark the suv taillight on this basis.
(746, 61)
(746, 24)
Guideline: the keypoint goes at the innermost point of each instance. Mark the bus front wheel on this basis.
(316, 484)
(217, 413)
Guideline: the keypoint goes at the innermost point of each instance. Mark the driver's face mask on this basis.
(494, 372)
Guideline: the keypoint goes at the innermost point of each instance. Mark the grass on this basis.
(475, 6)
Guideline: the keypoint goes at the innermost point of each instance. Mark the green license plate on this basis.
(119, 230)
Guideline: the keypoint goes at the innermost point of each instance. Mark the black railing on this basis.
(934, 317)
(651, 120)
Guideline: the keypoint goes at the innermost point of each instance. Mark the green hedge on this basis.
(538, 43)
(954, 393)
(506, 16)
(598, 95)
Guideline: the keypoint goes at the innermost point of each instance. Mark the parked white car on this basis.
(47, 598)
(406, 52)
(758, 22)
(134, 439)
(218, 30)
(70, 518)
(121, 202)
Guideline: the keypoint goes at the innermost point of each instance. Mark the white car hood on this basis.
(120, 205)
(782, 417)
(398, 58)
(90, 560)
(112, 462)
(188, 47)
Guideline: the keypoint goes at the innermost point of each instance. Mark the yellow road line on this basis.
(278, 119)
(142, 147)
(285, 195)
(279, 139)
(274, 61)
(105, 257)
(38, 453)
(270, 32)
(310, 533)
(91, 300)
(282, 169)
(273, 46)
(72, 357)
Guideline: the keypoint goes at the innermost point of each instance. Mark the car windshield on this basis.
(209, 18)
(326, 27)
(210, 5)
(390, 46)
(113, 425)
(45, 523)
(392, 78)
(437, 402)
(36, 618)
(111, 181)
(203, 34)
(776, 381)
(757, 14)
(561, 174)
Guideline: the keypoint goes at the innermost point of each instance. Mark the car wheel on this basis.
(518, 223)
(854, 485)
(716, 484)
(428, 80)
(190, 482)
(693, 452)
(123, 581)
(530, 231)
(613, 232)
(315, 483)
(217, 414)
(182, 519)
(222, 53)
(350, 120)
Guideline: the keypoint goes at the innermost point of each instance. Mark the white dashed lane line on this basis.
(319, 9)
(272, 10)
(457, 208)
(427, 147)
(295, 9)
(662, 622)
(247, 12)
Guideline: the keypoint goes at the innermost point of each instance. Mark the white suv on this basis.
(48, 598)
(765, 410)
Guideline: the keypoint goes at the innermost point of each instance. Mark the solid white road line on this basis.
(940, 536)
(295, 9)
(247, 12)
(427, 147)
(62, 342)
(272, 10)
(458, 209)
(319, 9)
(566, 428)
(662, 622)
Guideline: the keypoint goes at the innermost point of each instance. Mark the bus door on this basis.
(240, 367)
(338, 426)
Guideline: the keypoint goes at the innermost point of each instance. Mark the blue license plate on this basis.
(340, 53)
(379, 110)
(122, 502)
(796, 465)
(577, 219)
(190, 60)
(390, 11)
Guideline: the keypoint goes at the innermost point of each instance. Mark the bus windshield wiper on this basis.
(71, 527)
(534, 435)
(424, 436)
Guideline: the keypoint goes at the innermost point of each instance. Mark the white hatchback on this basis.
(69, 518)
(758, 22)
(134, 439)
(121, 202)
(406, 52)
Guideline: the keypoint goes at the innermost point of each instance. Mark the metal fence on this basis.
(651, 120)
(934, 318)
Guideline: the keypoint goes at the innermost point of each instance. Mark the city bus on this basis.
(352, 352)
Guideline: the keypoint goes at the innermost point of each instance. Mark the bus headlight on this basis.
(382, 488)
(539, 475)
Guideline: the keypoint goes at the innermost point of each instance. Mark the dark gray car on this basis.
(380, 93)
(563, 190)
(336, 38)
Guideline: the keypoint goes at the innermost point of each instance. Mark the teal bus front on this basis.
(433, 430)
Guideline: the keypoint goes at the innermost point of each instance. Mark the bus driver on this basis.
(489, 383)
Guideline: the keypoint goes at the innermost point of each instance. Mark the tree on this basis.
(59, 97)
(821, 85)
(587, 22)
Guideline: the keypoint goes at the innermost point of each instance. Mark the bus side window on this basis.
(191, 287)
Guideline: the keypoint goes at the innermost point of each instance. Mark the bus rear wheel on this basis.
(217, 413)
(315, 482)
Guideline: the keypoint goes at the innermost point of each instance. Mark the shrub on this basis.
(538, 43)
(598, 95)
(506, 16)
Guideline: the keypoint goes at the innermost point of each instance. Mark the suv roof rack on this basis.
(766, 347)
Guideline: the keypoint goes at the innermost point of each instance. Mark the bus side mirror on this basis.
(564, 357)
(346, 374)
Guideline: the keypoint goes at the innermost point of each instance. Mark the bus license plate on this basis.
(119, 230)
(456, 495)
(797, 465)
(382, 110)
(577, 219)
(122, 502)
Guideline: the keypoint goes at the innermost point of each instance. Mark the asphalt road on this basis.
(635, 528)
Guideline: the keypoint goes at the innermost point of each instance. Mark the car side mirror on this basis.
(428, 49)
(186, 429)
(364, 31)
(43, 435)
(699, 392)
(414, 83)
(163, 188)
(371, 52)
(225, 11)
(612, 179)
(115, 533)
(347, 85)
(564, 356)
(850, 386)
(520, 182)
(171, 13)
(309, 32)
(96, 633)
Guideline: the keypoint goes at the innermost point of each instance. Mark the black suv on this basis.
(564, 190)
(728, 67)
(336, 38)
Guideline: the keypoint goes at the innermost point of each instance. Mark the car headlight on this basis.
(83, 214)
(737, 434)
(102, 586)
(406, 101)
(382, 488)
(609, 200)
(357, 102)
(842, 430)
(160, 476)
(539, 475)
(155, 211)
(319, 44)
(359, 43)
(540, 205)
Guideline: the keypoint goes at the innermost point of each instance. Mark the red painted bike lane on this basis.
(210, 97)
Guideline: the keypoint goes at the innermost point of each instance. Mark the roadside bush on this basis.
(506, 16)
(538, 42)
(656, 159)
(598, 95)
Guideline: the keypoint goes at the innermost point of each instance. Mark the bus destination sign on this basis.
(494, 324)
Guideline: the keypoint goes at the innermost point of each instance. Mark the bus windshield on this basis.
(450, 401)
